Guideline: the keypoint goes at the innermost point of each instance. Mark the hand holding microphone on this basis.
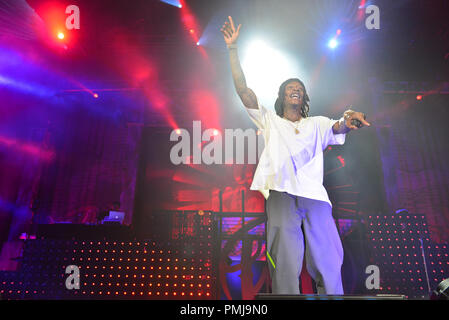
(355, 120)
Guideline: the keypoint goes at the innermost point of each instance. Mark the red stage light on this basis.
(419, 97)
(342, 160)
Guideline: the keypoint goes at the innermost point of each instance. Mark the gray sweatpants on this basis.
(285, 244)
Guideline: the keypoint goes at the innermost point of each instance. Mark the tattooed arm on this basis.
(231, 35)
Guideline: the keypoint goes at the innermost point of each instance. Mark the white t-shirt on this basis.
(291, 162)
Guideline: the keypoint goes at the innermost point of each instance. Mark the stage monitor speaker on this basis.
(267, 296)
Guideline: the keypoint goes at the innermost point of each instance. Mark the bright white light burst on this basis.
(265, 69)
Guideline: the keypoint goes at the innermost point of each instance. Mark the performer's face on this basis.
(294, 93)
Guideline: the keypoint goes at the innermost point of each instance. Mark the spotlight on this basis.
(442, 291)
(362, 4)
(333, 43)
(342, 160)
(266, 68)
(198, 43)
(60, 35)
(419, 97)
(175, 3)
(95, 95)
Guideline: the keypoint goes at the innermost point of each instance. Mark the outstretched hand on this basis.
(351, 115)
(230, 33)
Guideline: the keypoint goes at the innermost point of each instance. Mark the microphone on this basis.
(358, 123)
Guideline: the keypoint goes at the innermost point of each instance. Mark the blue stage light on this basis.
(175, 3)
(333, 43)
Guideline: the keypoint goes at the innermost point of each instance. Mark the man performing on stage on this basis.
(290, 175)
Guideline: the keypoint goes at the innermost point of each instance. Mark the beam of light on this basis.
(175, 3)
(209, 37)
(28, 148)
(24, 87)
(23, 72)
(189, 22)
(82, 87)
(266, 68)
(19, 72)
(191, 25)
(141, 72)
(17, 68)
(61, 35)
(37, 89)
(361, 11)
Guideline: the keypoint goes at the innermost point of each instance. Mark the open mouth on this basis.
(294, 96)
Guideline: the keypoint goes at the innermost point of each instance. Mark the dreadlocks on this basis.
(279, 104)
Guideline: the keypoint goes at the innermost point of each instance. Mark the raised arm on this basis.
(231, 35)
